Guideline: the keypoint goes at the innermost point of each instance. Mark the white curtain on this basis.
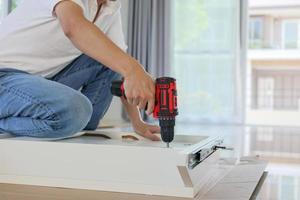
(6, 6)
(3, 9)
(149, 34)
(208, 60)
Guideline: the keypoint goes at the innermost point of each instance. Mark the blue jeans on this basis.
(75, 99)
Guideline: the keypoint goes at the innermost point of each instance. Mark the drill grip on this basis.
(117, 89)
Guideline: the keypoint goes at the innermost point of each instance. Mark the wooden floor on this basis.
(280, 146)
(21, 192)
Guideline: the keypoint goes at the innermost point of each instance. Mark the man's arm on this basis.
(139, 86)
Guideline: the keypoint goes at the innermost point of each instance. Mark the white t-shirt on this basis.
(32, 40)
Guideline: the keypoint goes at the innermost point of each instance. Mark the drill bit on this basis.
(168, 145)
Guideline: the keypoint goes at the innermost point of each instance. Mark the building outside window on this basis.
(274, 63)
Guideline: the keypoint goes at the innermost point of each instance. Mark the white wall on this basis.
(114, 114)
(268, 3)
(273, 118)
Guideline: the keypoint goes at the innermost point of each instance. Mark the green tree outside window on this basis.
(14, 4)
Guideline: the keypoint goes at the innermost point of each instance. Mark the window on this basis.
(256, 32)
(291, 34)
(265, 93)
(205, 55)
(277, 90)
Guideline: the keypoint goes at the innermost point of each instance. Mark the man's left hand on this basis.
(147, 130)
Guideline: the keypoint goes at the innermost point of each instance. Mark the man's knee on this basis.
(75, 113)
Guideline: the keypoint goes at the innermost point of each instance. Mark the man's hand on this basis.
(147, 130)
(140, 89)
(139, 126)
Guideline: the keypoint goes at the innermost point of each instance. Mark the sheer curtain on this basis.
(149, 34)
(6, 6)
(3, 9)
(208, 60)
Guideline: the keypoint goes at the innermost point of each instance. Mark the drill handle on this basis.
(117, 89)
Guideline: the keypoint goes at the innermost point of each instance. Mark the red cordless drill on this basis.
(165, 109)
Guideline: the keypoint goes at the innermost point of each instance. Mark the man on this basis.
(57, 61)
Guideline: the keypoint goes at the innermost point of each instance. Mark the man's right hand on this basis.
(140, 88)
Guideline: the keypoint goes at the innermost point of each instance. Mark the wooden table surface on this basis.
(281, 147)
(239, 184)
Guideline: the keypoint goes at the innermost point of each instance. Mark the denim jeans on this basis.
(75, 99)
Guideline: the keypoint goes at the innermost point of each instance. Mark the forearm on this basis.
(94, 43)
(132, 111)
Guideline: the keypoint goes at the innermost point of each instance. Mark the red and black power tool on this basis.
(165, 109)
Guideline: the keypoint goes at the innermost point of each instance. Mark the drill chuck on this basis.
(167, 129)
